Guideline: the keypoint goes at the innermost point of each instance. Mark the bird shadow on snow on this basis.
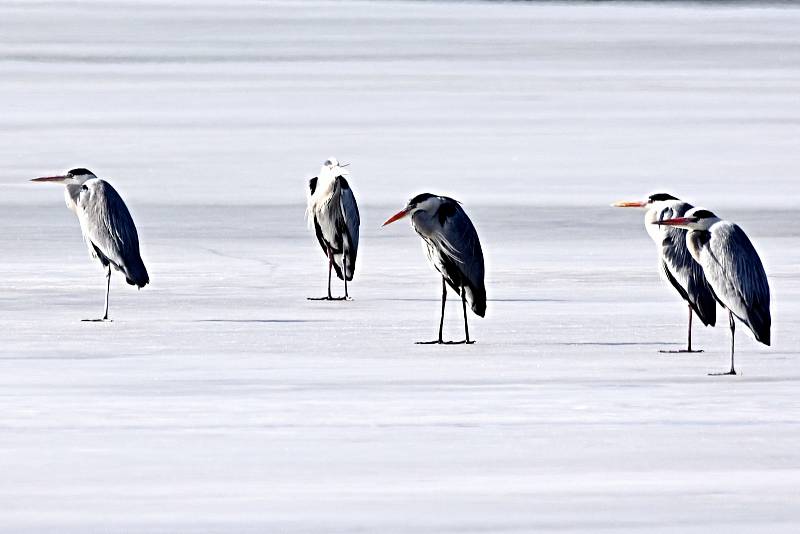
(439, 299)
(256, 321)
(611, 343)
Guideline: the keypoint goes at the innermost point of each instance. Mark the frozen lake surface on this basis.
(220, 400)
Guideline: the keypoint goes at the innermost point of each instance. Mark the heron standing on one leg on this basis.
(107, 226)
(453, 248)
(332, 206)
(733, 270)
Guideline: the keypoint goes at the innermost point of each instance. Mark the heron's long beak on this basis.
(55, 179)
(678, 221)
(396, 217)
(629, 204)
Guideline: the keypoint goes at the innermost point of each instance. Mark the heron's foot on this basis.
(729, 373)
(440, 342)
(682, 351)
(103, 320)
(329, 298)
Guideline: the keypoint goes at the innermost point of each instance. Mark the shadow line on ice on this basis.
(608, 343)
(487, 300)
(257, 321)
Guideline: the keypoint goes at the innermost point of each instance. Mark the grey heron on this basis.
(453, 248)
(333, 209)
(733, 270)
(106, 224)
(676, 264)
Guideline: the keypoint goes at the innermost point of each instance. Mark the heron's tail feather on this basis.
(476, 296)
(136, 274)
(760, 322)
(338, 265)
(705, 305)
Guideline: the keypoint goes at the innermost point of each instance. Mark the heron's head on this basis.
(695, 219)
(425, 202)
(651, 200)
(333, 168)
(75, 176)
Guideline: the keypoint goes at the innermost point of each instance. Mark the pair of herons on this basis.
(706, 259)
(450, 239)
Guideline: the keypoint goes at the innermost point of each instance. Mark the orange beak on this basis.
(396, 217)
(629, 204)
(56, 179)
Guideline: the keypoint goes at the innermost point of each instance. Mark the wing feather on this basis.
(737, 276)
(352, 222)
(108, 225)
(457, 238)
(682, 271)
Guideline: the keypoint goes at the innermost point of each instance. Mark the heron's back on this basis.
(679, 267)
(736, 275)
(108, 226)
(454, 249)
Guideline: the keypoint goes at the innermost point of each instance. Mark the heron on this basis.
(452, 247)
(333, 209)
(676, 264)
(106, 224)
(733, 270)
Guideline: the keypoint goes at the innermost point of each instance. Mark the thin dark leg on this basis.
(441, 322)
(464, 305)
(733, 336)
(733, 332)
(330, 272)
(108, 291)
(344, 272)
(689, 347)
(444, 300)
(330, 268)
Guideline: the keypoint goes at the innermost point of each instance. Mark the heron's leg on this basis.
(733, 334)
(330, 275)
(330, 268)
(344, 272)
(108, 291)
(464, 305)
(441, 322)
(689, 346)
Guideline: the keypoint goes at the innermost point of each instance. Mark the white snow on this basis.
(220, 400)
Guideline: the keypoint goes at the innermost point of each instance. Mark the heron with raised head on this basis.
(333, 209)
(733, 270)
(106, 224)
(676, 264)
(452, 246)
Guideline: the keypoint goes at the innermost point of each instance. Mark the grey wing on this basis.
(683, 272)
(737, 275)
(352, 218)
(459, 242)
(108, 225)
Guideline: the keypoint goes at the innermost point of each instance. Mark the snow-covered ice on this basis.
(220, 400)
